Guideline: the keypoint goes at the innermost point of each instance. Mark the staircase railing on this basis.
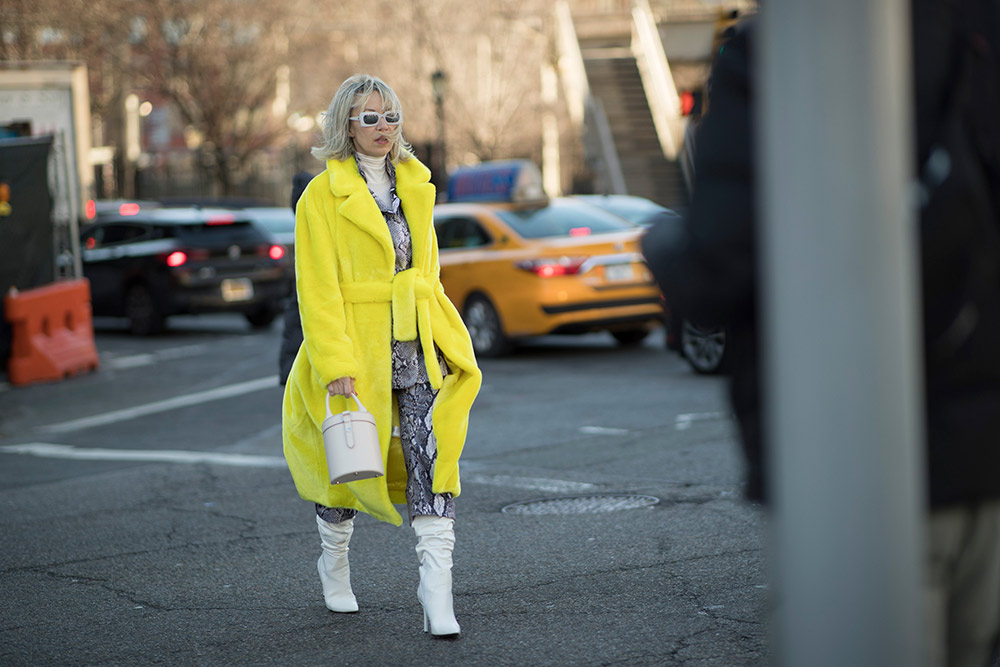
(658, 82)
(585, 111)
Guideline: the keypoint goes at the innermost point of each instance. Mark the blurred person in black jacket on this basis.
(707, 268)
(291, 334)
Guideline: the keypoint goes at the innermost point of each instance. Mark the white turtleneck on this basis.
(375, 173)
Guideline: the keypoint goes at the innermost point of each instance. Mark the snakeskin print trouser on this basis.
(419, 451)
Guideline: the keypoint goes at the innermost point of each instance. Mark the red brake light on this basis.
(176, 258)
(91, 243)
(91, 209)
(129, 208)
(276, 252)
(550, 268)
(580, 231)
(220, 220)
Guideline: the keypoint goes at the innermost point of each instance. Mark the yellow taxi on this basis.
(539, 266)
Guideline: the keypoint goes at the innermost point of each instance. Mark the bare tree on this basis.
(218, 64)
(217, 61)
(490, 52)
(492, 55)
(88, 30)
(499, 116)
(23, 25)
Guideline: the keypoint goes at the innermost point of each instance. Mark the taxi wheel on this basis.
(483, 322)
(142, 311)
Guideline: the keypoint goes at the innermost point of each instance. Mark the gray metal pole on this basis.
(841, 331)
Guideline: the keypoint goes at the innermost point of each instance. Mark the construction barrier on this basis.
(52, 333)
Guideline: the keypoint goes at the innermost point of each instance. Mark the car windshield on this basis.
(276, 221)
(563, 218)
(634, 211)
(233, 232)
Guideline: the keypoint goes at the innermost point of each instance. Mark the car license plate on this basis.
(618, 272)
(237, 289)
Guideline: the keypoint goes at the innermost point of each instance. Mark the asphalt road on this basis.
(146, 517)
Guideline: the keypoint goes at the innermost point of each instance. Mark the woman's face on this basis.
(376, 140)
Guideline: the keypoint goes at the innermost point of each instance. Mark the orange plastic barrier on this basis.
(52, 332)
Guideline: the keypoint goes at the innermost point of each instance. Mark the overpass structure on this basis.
(632, 74)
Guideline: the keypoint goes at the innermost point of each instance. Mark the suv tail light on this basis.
(552, 267)
(274, 251)
(176, 258)
(181, 257)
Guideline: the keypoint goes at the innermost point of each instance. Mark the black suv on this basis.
(158, 262)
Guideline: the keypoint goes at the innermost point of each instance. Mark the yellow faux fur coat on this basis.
(351, 304)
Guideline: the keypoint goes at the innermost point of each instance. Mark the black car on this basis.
(704, 347)
(102, 209)
(279, 222)
(639, 210)
(171, 261)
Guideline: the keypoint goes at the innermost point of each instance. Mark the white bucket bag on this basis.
(351, 442)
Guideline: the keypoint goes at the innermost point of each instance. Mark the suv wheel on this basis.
(262, 317)
(144, 315)
(485, 329)
(704, 348)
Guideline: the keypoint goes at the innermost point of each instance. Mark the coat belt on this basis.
(409, 293)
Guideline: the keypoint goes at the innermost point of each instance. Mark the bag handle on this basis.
(361, 407)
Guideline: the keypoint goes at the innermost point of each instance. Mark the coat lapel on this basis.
(417, 193)
(358, 206)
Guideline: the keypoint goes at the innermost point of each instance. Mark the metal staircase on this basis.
(613, 75)
(616, 83)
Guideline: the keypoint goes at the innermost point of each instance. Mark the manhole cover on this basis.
(591, 504)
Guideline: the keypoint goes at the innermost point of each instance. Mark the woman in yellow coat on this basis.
(376, 322)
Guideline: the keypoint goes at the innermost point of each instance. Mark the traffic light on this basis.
(691, 102)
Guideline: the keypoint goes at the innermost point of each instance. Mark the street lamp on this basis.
(439, 84)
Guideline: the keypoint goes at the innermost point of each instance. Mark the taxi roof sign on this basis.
(501, 180)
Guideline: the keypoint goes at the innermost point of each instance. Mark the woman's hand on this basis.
(341, 387)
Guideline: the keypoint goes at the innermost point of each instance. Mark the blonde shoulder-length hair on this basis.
(354, 93)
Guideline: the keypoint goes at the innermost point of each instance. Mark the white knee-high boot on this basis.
(334, 571)
(435, 543)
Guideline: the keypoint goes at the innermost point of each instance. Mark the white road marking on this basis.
(603, 430)
(133, 361)
(167, 354)
(532, 483)
(271, 434)
(55, 451)
(145, 359)
(218, 393)
(682, 422)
